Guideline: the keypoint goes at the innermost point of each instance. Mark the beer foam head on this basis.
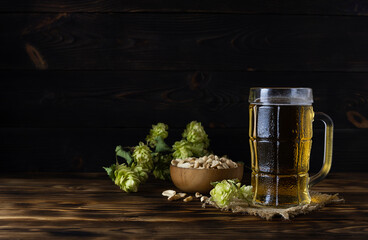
(281, 96)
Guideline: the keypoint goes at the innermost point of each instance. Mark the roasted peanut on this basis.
(198, 195)
(210, 161)
(188, 199)
(168, 193)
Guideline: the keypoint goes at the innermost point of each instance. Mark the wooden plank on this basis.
(326, 7)
(145, 41)
(48, 207)
(78, 150)
(138, 99)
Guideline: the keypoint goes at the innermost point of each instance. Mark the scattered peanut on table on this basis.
(172, 195)
(198, 195)
(188, 199)
(210, 162)
(168, 193)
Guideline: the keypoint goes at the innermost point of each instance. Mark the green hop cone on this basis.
(162, 165)
(142, 156)
(159, 158)
(182, 149)
(158, 130)
(224, 192)
(141, 172)
(126, 179)
(195, 133)
(198, 149)
(161, 173)
(246, 193)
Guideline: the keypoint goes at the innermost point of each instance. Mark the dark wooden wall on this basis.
(78, 78)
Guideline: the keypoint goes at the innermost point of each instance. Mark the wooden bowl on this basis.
(192, 180)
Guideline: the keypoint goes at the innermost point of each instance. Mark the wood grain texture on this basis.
(121, 99)
(145, 41)
(78, 78)
(311, 7)
(89, 149)
(90, 206)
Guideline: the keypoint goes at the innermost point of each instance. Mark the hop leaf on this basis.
(121, 153)
(111, 171)
(161, 146)
(126, 179)
(195, 133)
(159, 130)
(142, 156)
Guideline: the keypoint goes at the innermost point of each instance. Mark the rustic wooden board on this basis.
(89, 149)
(138, 99)
(152, 41)
(325, 7)
(90, 206)
(78, 78)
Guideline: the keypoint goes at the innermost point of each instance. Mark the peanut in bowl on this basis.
(188, 176)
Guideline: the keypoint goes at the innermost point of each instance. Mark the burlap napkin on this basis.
(319, 200)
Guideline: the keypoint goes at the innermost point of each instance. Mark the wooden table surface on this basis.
(80, 206)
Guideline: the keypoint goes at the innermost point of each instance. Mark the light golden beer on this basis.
(280, 138)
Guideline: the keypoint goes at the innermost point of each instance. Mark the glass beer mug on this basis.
(280, 137)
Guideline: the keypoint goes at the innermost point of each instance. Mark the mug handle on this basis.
(327, 158)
